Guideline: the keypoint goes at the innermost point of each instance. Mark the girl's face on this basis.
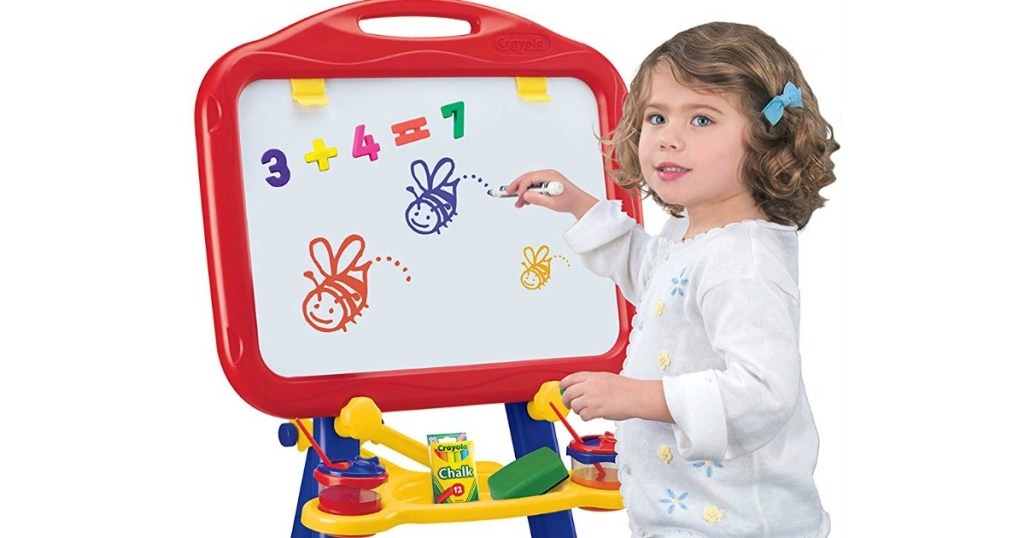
(691, 144)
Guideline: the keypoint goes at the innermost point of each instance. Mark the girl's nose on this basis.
(668, 139)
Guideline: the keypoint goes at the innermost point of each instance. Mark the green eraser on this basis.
(532, 474)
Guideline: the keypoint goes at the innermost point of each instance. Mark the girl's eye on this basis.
(655, 119)
(701, 121)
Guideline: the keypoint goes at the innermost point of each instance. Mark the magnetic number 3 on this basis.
(280, 168)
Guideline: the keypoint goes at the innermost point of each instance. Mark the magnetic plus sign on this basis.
(320, 154)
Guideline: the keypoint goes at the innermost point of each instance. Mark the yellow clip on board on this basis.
(309, 91)
(533, 89)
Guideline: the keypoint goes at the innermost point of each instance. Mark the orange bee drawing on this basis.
(538, 268)
(341, 296)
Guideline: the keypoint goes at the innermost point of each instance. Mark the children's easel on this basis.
(342, 170)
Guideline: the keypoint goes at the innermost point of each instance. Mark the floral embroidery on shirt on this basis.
(672, 501)
(663, 360)
(659, 307)
(712, 514)
(665, 453)
(679, 284)
(710, 465)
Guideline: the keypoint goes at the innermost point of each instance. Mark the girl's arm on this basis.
(609, 242)
(614, 397)
(752, 323)
(613, 245)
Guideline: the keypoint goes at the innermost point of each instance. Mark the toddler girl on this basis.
(715, 433)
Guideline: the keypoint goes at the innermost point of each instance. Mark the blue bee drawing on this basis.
(434, 207)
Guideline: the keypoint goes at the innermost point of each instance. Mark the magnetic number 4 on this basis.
(363, 144)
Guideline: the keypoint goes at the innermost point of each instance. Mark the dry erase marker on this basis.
(551, 188)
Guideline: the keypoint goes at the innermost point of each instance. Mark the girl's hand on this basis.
(572, 200)
(599, 395)
(614, 397)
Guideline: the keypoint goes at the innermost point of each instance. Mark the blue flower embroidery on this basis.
(710, 464)
(680, 284)
(672, 501)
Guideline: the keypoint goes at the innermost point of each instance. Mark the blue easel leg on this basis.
(307, 491)
(529, 435)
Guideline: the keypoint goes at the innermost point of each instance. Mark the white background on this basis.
(120, 422)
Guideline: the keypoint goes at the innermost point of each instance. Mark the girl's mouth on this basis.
(671, 173)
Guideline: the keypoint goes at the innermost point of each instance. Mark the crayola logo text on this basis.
(522, 44)
(453, 448)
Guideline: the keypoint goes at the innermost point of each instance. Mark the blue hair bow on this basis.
(790, 96)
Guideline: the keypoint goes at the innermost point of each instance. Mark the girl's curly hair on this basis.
(786, 165)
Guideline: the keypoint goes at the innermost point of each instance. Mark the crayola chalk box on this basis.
(452, 468)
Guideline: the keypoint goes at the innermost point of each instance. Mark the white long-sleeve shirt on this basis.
(717, 322)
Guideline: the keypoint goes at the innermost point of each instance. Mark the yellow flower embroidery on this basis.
(665, 453)
(659, 307)
(663, 360)
(712, 514)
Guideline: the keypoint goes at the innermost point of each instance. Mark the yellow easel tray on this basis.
(406, 498)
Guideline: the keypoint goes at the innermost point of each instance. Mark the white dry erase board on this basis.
(353, 247)
(456, 276)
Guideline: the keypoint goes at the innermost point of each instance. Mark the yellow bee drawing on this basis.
(538, 268)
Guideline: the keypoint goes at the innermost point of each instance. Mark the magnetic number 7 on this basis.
(457, 109)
